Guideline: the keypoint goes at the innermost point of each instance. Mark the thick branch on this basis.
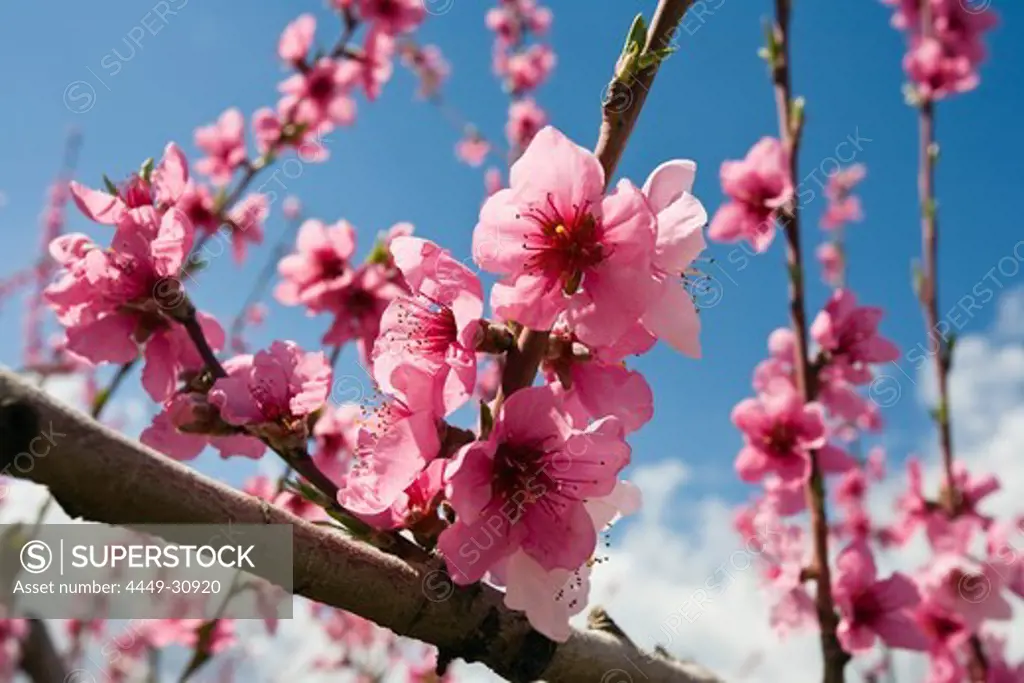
(97, 474)
(39, 657)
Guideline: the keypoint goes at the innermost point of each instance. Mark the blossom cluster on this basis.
(797, 449)
(945, 45)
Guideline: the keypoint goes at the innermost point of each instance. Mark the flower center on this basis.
(331, 265)
(423, 328)
(320, 84)
(520, 475)
(565, 247)
(780, 440)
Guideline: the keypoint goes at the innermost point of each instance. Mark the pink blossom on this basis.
(597, 383)
(527, 69)
(525, 120)
(161, 190)
(273, 392)
(393, 16)
(872, 608)
(472, 149)
(336, 436)
(830, 256)
(436, 327)
(681, 220)
(395, 444)
(843, 206)
(757, 187)
(199, 206)
(548, 597)
(321, 96)
(112, 300)
(176, 431)
(971, 590)
(525, 487)
(320, 266)
(296, 39)
(376, 63)
(170, 353)
(415, 503)
(781, 432)
(246, 223)
(785, 497)
(224, 145)
(291, 207)
(849, 334)
(359, 305)
(1003, 553)
(563, 246)
(946, 631)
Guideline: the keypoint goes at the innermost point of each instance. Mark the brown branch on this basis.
(39, 657)
(790, 126)
(619, 113)
(97, 474)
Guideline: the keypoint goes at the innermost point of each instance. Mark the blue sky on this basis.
(711, 102)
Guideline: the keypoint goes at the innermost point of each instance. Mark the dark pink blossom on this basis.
(871, 608)
(757, 187)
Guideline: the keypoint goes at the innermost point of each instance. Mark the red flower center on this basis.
(566, 246)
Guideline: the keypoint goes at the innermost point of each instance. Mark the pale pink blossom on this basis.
(291, 207)
(830, 256)
(377, 66)
(436, 327)
(871, 608)
(970, 589)
(472, 149)
(336, 437)
(396, 442)
(224, 145)
(757, 187)
(525, 120)
(843, 206)
(525, 487)
(562, 245)
(246, 223)
(296, 39)
(681, 218)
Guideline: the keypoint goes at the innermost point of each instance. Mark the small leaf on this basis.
(109, 185)
(486, 420)
(146, 170)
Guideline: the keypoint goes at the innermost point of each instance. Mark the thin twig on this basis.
(790, 128)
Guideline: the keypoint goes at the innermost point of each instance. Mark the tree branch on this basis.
(97, 474)
(790, 116)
